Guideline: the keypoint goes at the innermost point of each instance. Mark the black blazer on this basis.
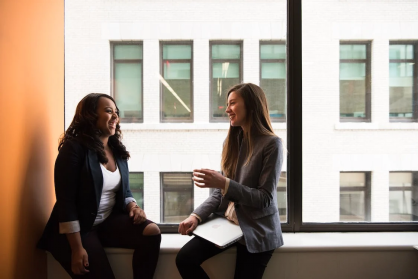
(78, 188)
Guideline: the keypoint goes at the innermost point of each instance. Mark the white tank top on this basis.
(111, 184)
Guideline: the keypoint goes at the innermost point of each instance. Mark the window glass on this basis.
(401, 81)
(273, 51)
(177, 83)
(282, 197)
(136, 184)
(177, 196)
(226, 63)
(403, 202)
(354, 197)
(127, 67)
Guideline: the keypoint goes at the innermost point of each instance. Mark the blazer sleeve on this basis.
(67, 174)
(262, 195)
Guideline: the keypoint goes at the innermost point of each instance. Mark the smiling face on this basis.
(236, 110)
(107, 117)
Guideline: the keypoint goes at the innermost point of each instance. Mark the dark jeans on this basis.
(116, 231)
(198, 250)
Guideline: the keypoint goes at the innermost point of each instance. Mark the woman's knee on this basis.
(151, 229)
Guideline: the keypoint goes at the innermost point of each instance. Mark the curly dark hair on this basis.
(83, 129)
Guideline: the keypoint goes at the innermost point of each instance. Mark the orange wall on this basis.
(32, 119)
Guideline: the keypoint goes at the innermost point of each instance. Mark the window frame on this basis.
(112, 78)
(211, 61)
(162, 206)
(368, 88)
(162, 61)
(414, 118)
(273, 42)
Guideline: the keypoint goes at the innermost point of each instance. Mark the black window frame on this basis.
(136, 191)
(112, 78)
(273, 42)
(211, 61)
(367, 193)
(368, 89)
(169, 227)
(162, 61)
(414, 118)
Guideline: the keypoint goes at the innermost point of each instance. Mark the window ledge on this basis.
(376, 126)
(310, 242)
(184, 126)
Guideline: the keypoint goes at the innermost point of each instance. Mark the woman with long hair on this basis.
(245, 192)
(94, 205)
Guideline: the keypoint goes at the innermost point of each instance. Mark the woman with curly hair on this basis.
(94, 206)
(246, 192)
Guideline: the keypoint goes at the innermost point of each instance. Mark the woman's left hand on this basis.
(137, 214)
(205, 178)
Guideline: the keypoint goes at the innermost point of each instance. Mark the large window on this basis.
(355, 86)
(354, 196)
(136, 183)
(127, 80)
(177, 196)
(273, 77)
(226, 71)
(177, 82)
(403, 81)
(403, 196)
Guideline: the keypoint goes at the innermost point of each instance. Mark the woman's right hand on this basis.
(188, 225)
(79, 261)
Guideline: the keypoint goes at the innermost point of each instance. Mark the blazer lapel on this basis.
(96, 174)
(124, 174)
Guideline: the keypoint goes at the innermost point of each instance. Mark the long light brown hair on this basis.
(258, 121)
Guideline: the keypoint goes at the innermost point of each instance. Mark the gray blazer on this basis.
(254, 193)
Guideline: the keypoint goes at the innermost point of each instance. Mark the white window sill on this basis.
(185, 126)
(376, 126)
(310, 242)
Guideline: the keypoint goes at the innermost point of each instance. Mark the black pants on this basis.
(116, 231)
(198, 250)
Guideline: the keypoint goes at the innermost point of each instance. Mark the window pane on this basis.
(401, 52)
(273, 82)
(225, 75)
(177, 84)
(352, 179)
(128, 89)
(177, 196)
(401, 89)
(352, 207)
(403, 201)
(177, 52)
(353, 52)
(271, 51)
(226, 52)
(282, 197)
(352, 90)
(128, 52)
(136, 183)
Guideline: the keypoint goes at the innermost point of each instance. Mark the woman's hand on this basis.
(137, 214)
(205, 178)
(79, 261)
(188, 225)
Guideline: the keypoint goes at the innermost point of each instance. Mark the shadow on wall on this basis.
(34, 204)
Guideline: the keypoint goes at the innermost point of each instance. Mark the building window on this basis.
(273, 78)
(403, 81)
(177, 196)
(127, 81)
(355, 196)
(355, 85)
(403, 196)
(226, 71)
(176, 81)
(136, 184)
(282, 197)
